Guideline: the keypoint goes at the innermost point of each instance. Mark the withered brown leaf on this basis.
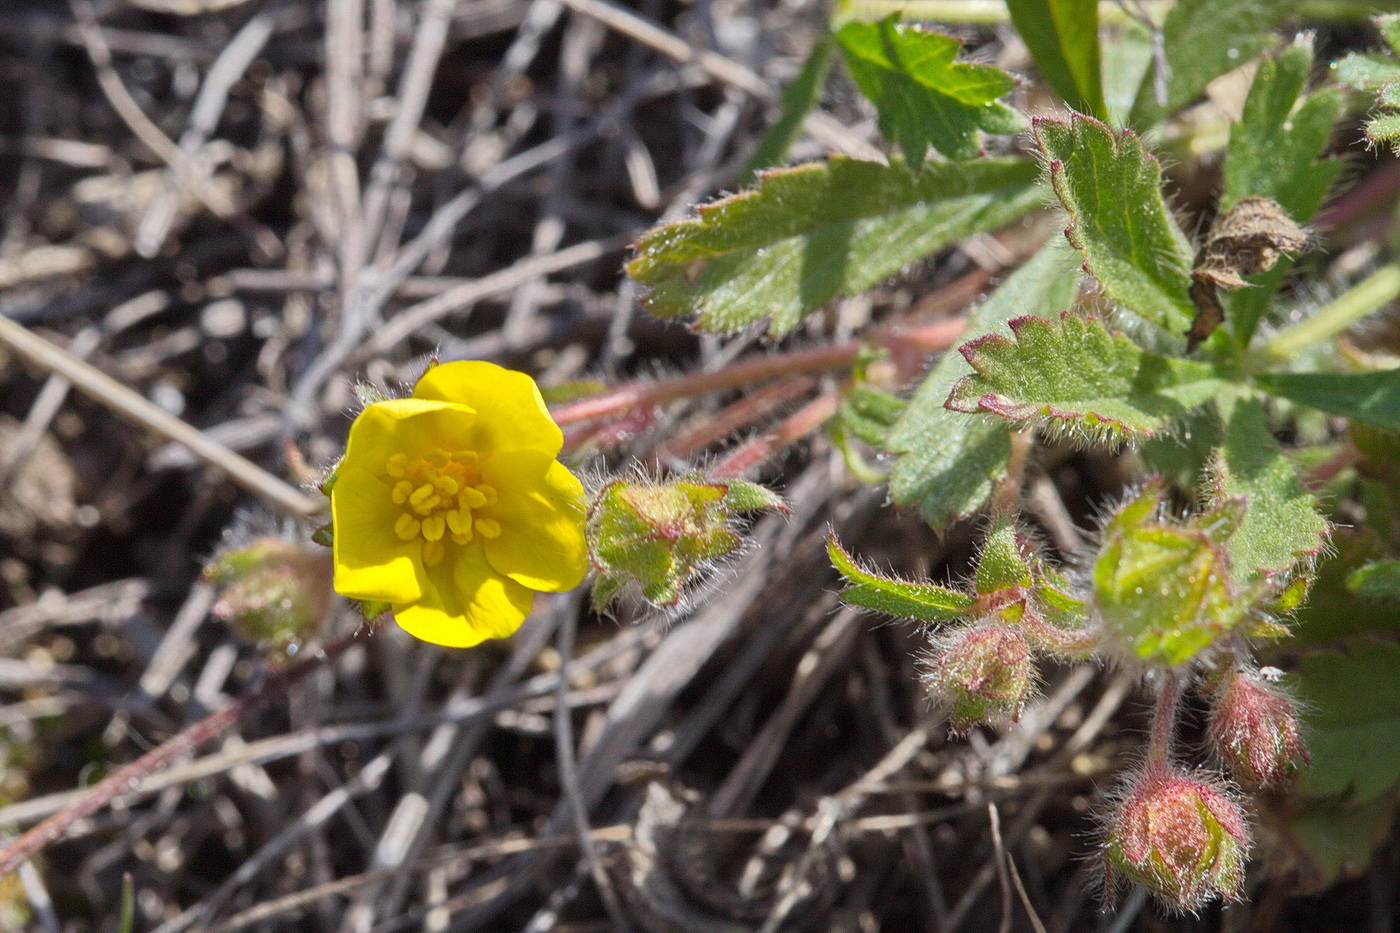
(1245, 240)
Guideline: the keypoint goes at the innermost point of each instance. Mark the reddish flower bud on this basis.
(1254, 729)
(276, 593)
(985, 673)
(1180, 836)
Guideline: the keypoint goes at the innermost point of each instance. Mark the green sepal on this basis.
(923, 601)
(1001, 565)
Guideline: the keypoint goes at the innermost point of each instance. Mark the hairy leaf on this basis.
(1203, 39)
(1001, 565)
(923, 601)
(798, 100)
(949, 462)
(1111, 188)
(814, 232)
(923, 97)
(1080, 375)
(1352, 699)
(1273, 153)
(1335, 839)
(1063, 38)
(1373, 398)
(1282, 524)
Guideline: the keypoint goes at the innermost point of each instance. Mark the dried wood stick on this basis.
(132, 406)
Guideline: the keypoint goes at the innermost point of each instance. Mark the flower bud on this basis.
(656, 536)
(985, 673)
(1180, 836)
(1254, 729)
(276, 592)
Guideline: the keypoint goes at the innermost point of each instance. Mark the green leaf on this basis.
(922, 96)
(949, 462)
(1111, 188)
(815, 232)
(1368, 72)
(1373, 398)
(1273, 153)
(1203, 39)
(1063, 38)
(798, 100)
(1332, 611)
(869, 413)
(1380, 580)
(868, 590)
(1335, 839)
(1384, 129)
(1081, 376)
(1281, 523)
(1352, 703)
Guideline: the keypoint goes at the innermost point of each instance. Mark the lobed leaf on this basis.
(922, 95)
(1274, 153)
(1372, 398)
(1201, 40)
(1332, 611)
(1111, 188)
(1063, 38)
(1281, 524)
(1079, 374)
(923, 601)
(1352, 699)
(949, 463)
(814, 232)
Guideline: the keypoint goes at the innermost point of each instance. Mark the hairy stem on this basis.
(1159, 742)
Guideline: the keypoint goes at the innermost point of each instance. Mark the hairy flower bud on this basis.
(656, 536)
(1254, 729)
(1180, 836)
(985, 673)
(276, 592)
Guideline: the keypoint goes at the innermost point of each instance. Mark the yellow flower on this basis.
(451, 507)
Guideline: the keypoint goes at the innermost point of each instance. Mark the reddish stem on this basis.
(1159, 743)
(928, 339)
(803, 422)
(1324, 472)
(127, 778)
(733, 418)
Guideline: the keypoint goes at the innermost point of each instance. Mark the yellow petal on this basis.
(371, 561)
(511, 414)
(407, 426)
(465, 602)
(540, 507)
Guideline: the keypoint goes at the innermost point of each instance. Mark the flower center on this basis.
(438, 492)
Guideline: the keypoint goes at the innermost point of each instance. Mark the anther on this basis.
(397, 466)
(407, 527)
(433, 527)
(489, 527)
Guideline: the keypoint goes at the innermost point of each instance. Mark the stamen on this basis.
(433, 527)
(421, 494)
(433, 552)
(407, 527)
(397, 466)
(402, 489)
(489, 527)
(471, 498)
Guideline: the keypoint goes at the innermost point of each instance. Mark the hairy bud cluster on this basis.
(1180, 836)
(1254, 729)
(276, 593)
(984, 673)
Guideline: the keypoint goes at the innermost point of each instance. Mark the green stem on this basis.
(1367, 296)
